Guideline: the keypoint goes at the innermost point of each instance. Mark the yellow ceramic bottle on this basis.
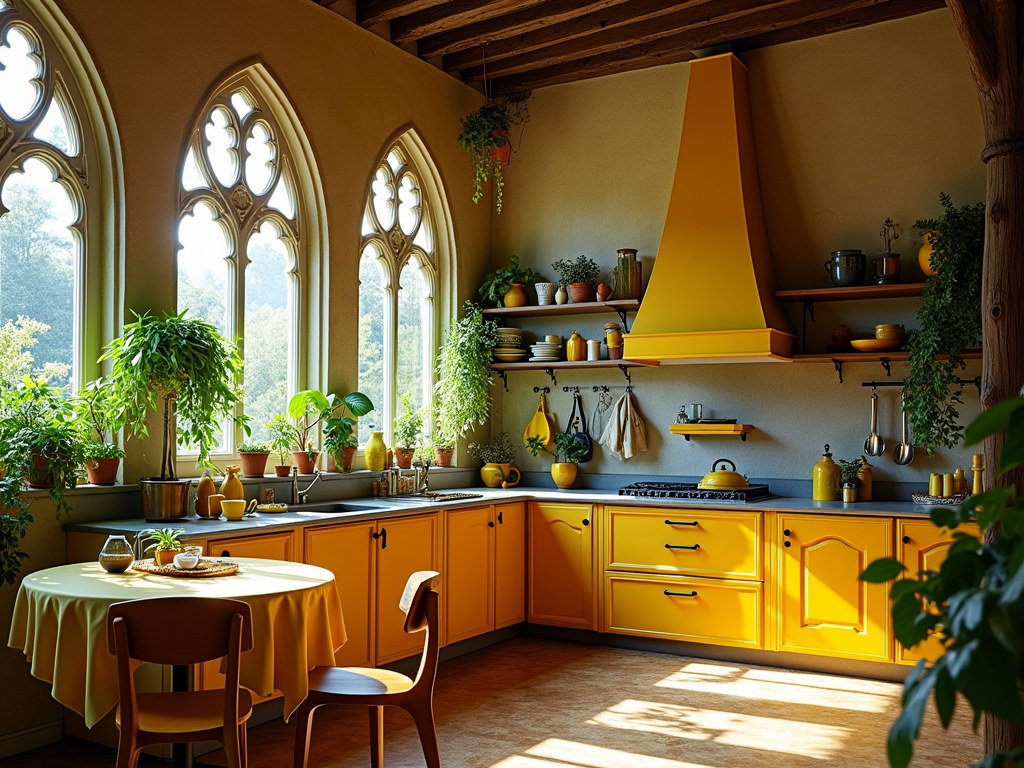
(864, 493)
(232, 486)
(575, 348)
(827, 479)
(376, 452)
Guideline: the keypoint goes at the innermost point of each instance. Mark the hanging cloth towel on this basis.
(625, 435)
(599, 419)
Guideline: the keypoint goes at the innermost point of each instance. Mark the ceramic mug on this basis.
(236, 509)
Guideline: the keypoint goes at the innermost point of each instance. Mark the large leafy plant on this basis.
(185, 370)
(975, 602)
(462, 395)
(485, 132)
(340, 427)
(950, 319)
(496, 284)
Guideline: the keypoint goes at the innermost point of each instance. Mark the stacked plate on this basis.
(508, 349)
(546, 352)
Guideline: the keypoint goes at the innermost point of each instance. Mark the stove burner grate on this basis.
(691, 491)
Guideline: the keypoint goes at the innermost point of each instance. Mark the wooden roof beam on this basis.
(452, 15)
(370, 12)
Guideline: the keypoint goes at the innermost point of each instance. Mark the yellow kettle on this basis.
(828, 476)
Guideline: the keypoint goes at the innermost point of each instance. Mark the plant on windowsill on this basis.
(974, 605)
(486, 135)
(498, 455)
(190, 374)
(462, 395)
(97, 408)
(306, 410)
(341, 440)
(408, 427)
(567, 453)
(253, 458)
(950, 319)
(578, 276)
(505, 287)
(280, 431)
(165, 543)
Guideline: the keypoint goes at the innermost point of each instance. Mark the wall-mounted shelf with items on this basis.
(619, 306)
(702, 430)
(885, 358)
(549, 368)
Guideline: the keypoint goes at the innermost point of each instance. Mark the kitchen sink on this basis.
(334, 507)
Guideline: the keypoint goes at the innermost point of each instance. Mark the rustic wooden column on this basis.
(991, 31)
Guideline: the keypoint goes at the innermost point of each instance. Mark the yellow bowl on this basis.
(871, 345)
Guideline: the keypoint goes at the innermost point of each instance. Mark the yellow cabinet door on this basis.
(273, 546)
(823, 607)
(561, 558)
(923, 547)
(348, 551)
(404, 546)
(509, 564)
(469, 575)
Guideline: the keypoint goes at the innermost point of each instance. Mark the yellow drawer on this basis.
(698, 610)
(684, 541)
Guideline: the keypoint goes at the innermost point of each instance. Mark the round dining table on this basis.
(60, 622)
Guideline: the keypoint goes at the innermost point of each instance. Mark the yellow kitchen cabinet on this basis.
(509, 564)
(469, 573)
(922, 546)
(404, 545)
(348, 551)
(272, 546)
(822, 606)
(561, 565)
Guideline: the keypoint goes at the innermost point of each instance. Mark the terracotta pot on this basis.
(254, 464)
(348, 455)
(302, 460)
(403, 457)
(516, 296)
(40, 475)
(581, 292)
(604, 291)
(563, 473)
(444, 456)
(502, 153)
(166, 556)
(102, 471)
(282, 470)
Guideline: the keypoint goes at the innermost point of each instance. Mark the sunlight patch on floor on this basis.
(559, 753)
(762, 733)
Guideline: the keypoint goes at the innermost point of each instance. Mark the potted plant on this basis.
(98, 410)
(498, 456)
(189, 373)
(485, 135)
(462, 396)
(408, 427)
(579, 275)
(505, 287)
(307, 409)
(340, 437)
(950, 319)
(164, 542)
(850, 477)
(253, 458)
(567, 453)
(279, 430)
(973, 604)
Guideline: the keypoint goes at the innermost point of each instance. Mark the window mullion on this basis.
(390, 353)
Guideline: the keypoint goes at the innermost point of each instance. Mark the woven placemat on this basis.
(924, 498)
(207, 569)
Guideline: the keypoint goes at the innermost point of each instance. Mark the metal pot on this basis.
(164, 499)
(847, 268)
(723, 480)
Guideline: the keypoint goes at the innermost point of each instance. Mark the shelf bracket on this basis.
(686, 438)
(839, 368)
(545, 390)
(551, 372)
(622, 317)
(808, 310)
(625, 372)
(743, 436)
(885, 364)
(503, 376)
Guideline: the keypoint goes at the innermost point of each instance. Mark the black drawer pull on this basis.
(906, 539)
(680, 522)
(786, 532)
(789, 543)
(682, 546)
(225, 553)
(681, 594)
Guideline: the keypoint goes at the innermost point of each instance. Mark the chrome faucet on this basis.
(299, 497)
(421, 476)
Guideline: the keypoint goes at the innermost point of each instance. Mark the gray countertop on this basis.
(382, 508)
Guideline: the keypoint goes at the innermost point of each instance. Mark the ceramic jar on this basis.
(864, 475)
(117, 555)
(545, 293)
(924, 254)
(576, 348)
(827, 479)
(516, 296)
(232, 488)
(593, 349)
(376, 452)
(847, 268)
(561, 296)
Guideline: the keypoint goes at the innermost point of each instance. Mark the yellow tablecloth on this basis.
(60, 619)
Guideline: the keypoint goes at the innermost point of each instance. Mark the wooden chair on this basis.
(180, 631)
(377, 688)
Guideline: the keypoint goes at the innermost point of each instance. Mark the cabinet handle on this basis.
(682, 546)
(490, 523)
(500, 521)
(375, 535)
(225, 553)
(681, 594)
(786, 532)
(586, 522)
(906, 539)
(383, 538)
(679, 522)
(788, 543)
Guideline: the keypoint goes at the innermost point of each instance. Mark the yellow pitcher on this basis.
(494, 475)
(576, 348)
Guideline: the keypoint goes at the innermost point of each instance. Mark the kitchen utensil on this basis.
(723, 479)
(887, 268)
(577, 427)
(905, 450)
(874, 445)
(876, 345)
(847, 268)
(540, 425)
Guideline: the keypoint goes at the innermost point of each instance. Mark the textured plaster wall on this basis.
(849, 129)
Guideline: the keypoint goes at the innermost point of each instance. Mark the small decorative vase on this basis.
(563, 473)
(497, 475)
(403, 457)
(581, 292)
(444, 456)
(603, 291)
(117, 555)
(516, 296)
(376, 452)
(232, 486)
(305, 461)
(545, 293)
(561, 296)
(204, 490)
(254, 463)
(102, 471)
(924, 254)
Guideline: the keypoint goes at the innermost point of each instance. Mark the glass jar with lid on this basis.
(117, 555)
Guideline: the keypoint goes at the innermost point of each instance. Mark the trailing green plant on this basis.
(256, 447)
(973, 605)
(850, 469)
(340, 430)
(950, 320)
(462, 396)
(485, 131)
(568, 448)
(496, 284)
(280, 431)
(162, 539)
(580, 270)
(182, 368)
(408, 425)
(498, 450)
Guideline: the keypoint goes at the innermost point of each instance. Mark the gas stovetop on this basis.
(691, 491)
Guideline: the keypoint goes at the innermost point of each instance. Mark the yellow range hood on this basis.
(711, 296)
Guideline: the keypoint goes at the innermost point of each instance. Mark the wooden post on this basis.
(991, 31)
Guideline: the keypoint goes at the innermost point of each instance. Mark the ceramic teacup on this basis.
(186, 560)
(236, 509)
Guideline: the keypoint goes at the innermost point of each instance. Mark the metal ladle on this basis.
(874, 445)
(905, 450)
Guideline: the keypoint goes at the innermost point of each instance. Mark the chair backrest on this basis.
(414, 599)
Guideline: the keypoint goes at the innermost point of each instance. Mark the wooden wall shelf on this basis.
(857, 292)
(702, 430)
(581, 308)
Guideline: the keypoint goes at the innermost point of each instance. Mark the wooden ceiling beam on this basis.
(452, 15)
(519, 23)
(589, 23)
(677, 47)
(370, 12)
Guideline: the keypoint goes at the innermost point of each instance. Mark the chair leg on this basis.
(127, 751)
(376, 737)
(231, 738)
(243, 745)
(303, 719)
(423, 716)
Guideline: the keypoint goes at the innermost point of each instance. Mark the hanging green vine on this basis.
(950, 319)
